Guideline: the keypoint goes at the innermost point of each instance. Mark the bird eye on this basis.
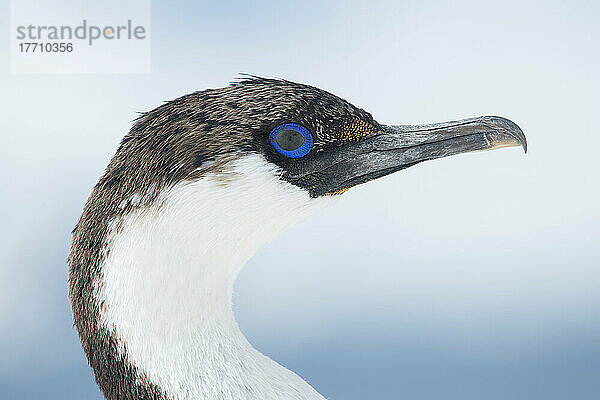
(291, 140)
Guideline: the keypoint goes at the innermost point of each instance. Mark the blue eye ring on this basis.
(299, 152)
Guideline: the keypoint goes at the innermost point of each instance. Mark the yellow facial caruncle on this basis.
(357, 129)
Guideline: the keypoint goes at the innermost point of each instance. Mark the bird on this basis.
(195, 188)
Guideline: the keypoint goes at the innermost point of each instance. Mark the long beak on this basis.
(401, 146)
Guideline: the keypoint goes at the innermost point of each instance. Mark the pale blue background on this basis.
(475, 277)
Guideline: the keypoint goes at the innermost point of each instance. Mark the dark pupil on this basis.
(289, 140)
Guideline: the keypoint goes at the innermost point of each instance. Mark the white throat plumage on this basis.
(168, 274)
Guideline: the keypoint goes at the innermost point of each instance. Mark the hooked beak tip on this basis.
(505, 133)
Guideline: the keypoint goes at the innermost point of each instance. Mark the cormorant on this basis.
(194, 189)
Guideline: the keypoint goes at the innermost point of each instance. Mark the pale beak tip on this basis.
(511, 134)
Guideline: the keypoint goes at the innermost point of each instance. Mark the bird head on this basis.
(312, 139)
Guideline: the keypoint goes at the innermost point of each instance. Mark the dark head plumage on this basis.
(172, 141)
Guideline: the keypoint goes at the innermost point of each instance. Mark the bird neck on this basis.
(167, 282)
